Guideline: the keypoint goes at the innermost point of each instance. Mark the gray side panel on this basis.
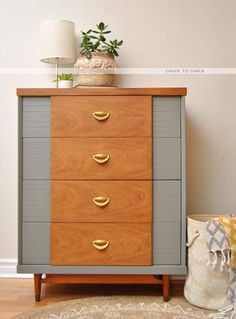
(36, 200)
(166, 116)
(166, 201)
(166, 243)
(108, 270)
(166, 158)
(36, 116)
(36, 243)
(36, 158)
(20, 175)
(183, 193)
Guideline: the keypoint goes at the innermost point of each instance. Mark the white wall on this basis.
(156, 33)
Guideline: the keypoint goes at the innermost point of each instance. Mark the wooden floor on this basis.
(17, 295)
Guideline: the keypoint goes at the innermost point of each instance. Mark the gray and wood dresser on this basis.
(102, 185)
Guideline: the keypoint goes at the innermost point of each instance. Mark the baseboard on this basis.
(8, 269)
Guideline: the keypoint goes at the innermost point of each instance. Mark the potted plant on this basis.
(97, 57)
(65, 81)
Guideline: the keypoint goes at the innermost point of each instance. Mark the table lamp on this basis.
(57, 42)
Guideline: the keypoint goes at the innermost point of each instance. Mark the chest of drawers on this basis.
(102, 185)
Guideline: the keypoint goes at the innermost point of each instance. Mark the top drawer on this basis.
(101, 116)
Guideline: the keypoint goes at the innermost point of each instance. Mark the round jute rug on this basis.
(116, 307)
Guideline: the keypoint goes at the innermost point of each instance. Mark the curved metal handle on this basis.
(101, 116)
(101, 158)
(101, 201)
(101, 244)
(195, 236)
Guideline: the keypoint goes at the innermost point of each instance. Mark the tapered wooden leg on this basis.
(37, 286)
(166, 287)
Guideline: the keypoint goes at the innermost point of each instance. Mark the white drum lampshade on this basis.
(57, 42)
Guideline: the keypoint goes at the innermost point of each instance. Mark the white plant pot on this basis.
(65, 84)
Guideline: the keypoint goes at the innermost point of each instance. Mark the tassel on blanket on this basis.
(215, 260)
(221, 241)
(228, 312)
(223, 261)
(229, 226)
(218, 244)
(220, 258)
(228, 257)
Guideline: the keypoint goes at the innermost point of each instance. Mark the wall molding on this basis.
(8, 269)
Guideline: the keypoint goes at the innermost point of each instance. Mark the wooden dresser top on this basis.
(162, 91)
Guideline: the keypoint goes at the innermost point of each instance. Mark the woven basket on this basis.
(97, 71)
(205, 286)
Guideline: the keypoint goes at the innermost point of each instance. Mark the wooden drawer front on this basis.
(130, 158)
(72, 244)
(123, 201)
(129, 116)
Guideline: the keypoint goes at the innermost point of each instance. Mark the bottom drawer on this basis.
(85, 244)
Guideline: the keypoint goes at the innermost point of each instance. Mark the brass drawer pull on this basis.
(101, 244)
(101, 158)
(101, 116)
(101, 201)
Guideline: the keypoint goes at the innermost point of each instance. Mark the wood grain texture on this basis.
(130, 158)
(130, 244)
(17, 295)
(162, 91)
(166, 287)
(72, 201)
(129, 116)
(37, 286)
(102, 279)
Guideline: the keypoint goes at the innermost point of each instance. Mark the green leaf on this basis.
(115, 53)
(96, 45)
(94, 31)
(88, 54)
(101, 26)
(106, 32)
(93, 37)
(65, 77)
(120, 42)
